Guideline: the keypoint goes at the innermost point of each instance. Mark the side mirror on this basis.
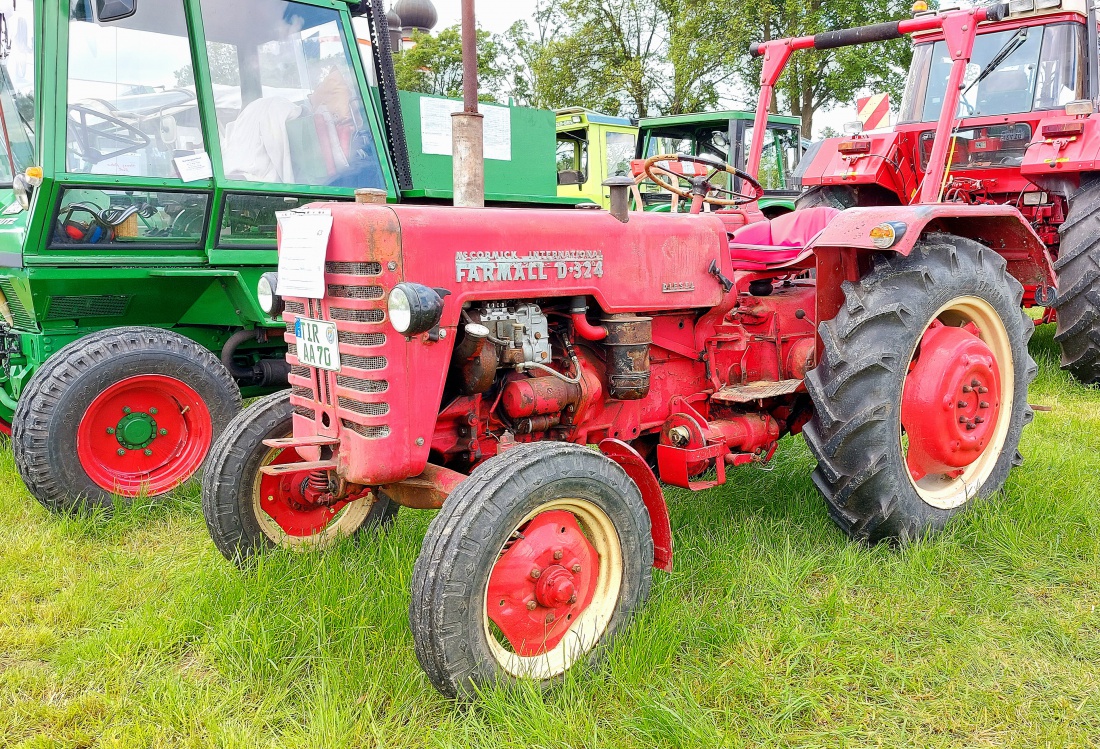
(114, 10)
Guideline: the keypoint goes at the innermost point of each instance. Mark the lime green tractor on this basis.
(150, 147)
(591, 148)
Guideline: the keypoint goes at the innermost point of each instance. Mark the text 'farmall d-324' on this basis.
(484, 352)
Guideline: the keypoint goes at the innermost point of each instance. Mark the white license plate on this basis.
(317, 343)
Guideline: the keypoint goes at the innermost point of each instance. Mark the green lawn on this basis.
(773, 630)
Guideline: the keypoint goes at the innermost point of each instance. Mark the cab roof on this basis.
(706, 118)
(589, 116)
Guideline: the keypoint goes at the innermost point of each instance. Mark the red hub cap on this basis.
(542, 582)
(287, 500)
(951, 400)
(147, 433)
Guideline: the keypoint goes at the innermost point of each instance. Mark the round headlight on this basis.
(267, 294)
(414, 308)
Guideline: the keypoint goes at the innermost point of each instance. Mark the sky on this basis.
(497, 15)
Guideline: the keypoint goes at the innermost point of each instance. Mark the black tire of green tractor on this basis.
(464, 540)
(44, 428)
(855, 431)
(1078, 274)
(237, 455)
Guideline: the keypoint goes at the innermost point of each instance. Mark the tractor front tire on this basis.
(124, 412)
(1078, 274)
(921, 394)
(247, 512)
(534, 562)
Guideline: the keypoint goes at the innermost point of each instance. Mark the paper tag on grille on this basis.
(303, 242)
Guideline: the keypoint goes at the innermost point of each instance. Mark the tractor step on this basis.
(283, 468)
(755, 391)
(314, 441)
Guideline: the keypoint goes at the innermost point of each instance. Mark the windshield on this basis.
(16, 88)
(779, 158)
(289, 107)
(1010, 72)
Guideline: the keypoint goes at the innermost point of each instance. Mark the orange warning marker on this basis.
(874, 111)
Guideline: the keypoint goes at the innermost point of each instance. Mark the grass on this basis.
(773, 630)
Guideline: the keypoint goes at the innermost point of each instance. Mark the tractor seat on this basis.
(781, 240)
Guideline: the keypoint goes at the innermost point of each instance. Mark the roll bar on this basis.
(958, 26)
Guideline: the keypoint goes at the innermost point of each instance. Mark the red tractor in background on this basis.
(1026, 136)
(465, 359)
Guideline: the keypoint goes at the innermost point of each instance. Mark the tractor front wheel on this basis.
(120, 413)
(247, 511)
(542, 555)
(1078, 273)
(921, 394)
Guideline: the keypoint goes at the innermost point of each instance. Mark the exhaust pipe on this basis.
(467, 126)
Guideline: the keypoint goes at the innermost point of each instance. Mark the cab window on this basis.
(132, 108)
(289, 107)
(779, 157)
(129, 219)
(572, 157)
(17, 92)
(620, 150)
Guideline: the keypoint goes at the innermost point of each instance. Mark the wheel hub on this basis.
(135, 431)
(542, 582)
(951, 401)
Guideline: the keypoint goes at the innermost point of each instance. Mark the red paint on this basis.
(174, 457)
(5, 428)
(538, 396)
(587, 330)
(539, 566)
(951, 400)
(642, 475)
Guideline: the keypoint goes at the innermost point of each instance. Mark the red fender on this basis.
(642, 475)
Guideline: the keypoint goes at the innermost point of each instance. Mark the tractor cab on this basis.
(591, 148)
(726, 136)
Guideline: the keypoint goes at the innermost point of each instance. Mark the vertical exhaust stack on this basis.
(467, 131)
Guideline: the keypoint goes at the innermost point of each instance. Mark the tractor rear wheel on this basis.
(536, 560)
(1078, 273)
(921, 393)
(842, 197)
(247, 511)
(120, 413)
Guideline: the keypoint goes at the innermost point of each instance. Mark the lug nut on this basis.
(125, 409)
(110, 430)
(536, 573)
(971, 425)
(983, 404)
(967, 388)
(576, 568)
(962, 404)
(979, 420)
(962, 419)
(163, 432)
(153, 411)
(121, 452)
(531, 605)
(558, 554)
(983, 390)
(573, 598)
(148, 453)
(974, 383)
(549, 618)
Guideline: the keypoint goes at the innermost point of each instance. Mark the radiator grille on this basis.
(367, 409)
(363, 362)
(363, 386)
(371, 433)
(362, 339)
(19, 314)
(292, 349)
(299, 371)
(98, 305)
(354, 269)
(357, 315)
(296, 308)
(309, 413)
(302, 392)
(342, 291)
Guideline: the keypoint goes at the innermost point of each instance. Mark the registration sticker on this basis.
(317, 343)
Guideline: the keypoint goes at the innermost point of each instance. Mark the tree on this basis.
(433, 65)
(818, 79)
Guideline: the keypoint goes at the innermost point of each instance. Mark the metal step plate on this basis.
(755, 391)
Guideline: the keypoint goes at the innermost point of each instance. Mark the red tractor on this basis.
(468, 359)
(1024, 137)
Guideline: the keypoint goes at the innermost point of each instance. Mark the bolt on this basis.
(126, 410)
(270, 497)
(576, 568)
(148, 453)
(391, 265)
(110, 430)
(962, 404)
(967, 388)
(983, 404)
(573, 598)
(419, 441)
(962, 419)
(536, 573)
(971, 425)
(549, 618)
(983, 390)
(979, 420)
(163, 432)
(974, 383)
(558, 554)
(153, 411)
(121, 452)
(531, 605)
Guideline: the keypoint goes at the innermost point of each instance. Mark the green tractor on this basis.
(149, 148)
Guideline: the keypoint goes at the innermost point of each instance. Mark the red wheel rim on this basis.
(148, 433)
(951, 401)
(542, 582)
(283, 499)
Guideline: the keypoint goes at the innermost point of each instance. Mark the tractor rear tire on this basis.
(1078, 273)
(236, 496)
(120, 413)
(866, 469)
(462, 578)
(843, 197)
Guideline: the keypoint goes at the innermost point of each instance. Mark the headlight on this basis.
(267, 293)
(414, 308)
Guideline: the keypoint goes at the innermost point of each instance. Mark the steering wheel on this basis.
(126, 137)
(702, 189)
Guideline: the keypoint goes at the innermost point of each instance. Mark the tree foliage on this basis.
(433, 65)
